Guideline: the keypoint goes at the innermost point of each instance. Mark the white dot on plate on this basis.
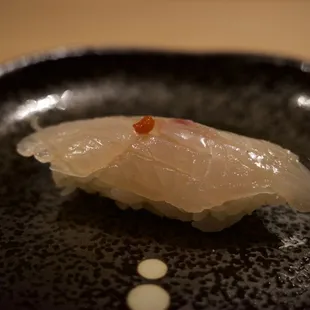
(152, 269)
(148, 296)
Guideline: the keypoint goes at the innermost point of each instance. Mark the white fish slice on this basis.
(180, 169)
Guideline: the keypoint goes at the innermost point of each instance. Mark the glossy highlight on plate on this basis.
(152, 269)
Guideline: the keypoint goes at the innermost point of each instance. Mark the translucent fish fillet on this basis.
(181, 169)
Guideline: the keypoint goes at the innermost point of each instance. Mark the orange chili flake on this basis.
(145, 125)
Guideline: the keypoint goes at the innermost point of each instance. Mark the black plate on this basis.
(81, 252)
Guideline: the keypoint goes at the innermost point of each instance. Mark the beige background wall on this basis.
(272, 26)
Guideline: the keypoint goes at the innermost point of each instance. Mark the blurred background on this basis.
(268, 26)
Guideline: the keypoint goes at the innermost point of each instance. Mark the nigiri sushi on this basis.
(172, 167)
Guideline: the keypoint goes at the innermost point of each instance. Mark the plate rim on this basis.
(29, 60)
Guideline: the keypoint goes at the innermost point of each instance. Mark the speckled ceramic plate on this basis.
(81, 252)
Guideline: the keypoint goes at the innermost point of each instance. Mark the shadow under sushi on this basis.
(97, 212)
